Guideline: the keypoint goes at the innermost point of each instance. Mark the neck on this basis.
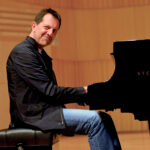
(39, 46)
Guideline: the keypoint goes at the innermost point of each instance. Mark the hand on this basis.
(86, 89)
(82, 102)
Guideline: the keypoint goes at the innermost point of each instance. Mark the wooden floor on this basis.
(129, 141)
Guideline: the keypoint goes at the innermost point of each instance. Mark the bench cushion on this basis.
(26, 137)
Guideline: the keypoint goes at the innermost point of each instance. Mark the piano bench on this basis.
(25, 139)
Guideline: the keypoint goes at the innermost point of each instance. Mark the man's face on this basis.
(45, 31)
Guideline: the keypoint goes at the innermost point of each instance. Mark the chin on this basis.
(45, 44)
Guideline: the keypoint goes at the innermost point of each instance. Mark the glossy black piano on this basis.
(129, 86)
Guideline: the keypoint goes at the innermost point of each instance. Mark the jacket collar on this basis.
(33, 42)
(35, 45)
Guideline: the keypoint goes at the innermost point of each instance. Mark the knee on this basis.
(95, 123)
(105, 117)
(95, 119)
(101, 119)
(95, 116)
(100, 116)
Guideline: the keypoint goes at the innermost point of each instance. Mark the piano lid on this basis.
(132, 58)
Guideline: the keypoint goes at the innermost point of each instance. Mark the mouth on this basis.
(47, 38)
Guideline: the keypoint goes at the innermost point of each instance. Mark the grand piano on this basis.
(129, 86)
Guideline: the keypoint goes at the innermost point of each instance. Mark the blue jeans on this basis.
(97, 125)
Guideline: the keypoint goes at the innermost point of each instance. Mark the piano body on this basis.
(129, 86)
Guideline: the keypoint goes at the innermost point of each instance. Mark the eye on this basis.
(54, 30)
(46, 27)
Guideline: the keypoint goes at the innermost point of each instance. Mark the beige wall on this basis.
(81, 51)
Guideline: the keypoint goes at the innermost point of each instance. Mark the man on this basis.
(36, 101)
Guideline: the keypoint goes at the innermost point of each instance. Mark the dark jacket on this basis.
(35, 98)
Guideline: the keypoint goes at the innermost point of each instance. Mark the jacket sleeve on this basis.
(30, 69)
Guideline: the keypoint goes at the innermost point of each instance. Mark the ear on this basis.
(34, 24)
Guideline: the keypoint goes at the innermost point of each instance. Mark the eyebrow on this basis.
(45, 25)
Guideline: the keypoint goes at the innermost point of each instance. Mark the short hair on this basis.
(39, 17)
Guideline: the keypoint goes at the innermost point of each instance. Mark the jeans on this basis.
(97, 125)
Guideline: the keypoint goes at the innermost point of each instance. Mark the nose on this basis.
(50, 32)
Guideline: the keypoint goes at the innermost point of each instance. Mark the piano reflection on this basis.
(129, 86)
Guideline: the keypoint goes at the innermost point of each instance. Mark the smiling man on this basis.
(45, 31)
(36, 100)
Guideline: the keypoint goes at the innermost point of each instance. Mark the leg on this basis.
(109, 125)
(91, 123)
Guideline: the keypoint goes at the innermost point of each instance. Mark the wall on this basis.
(81, 51)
